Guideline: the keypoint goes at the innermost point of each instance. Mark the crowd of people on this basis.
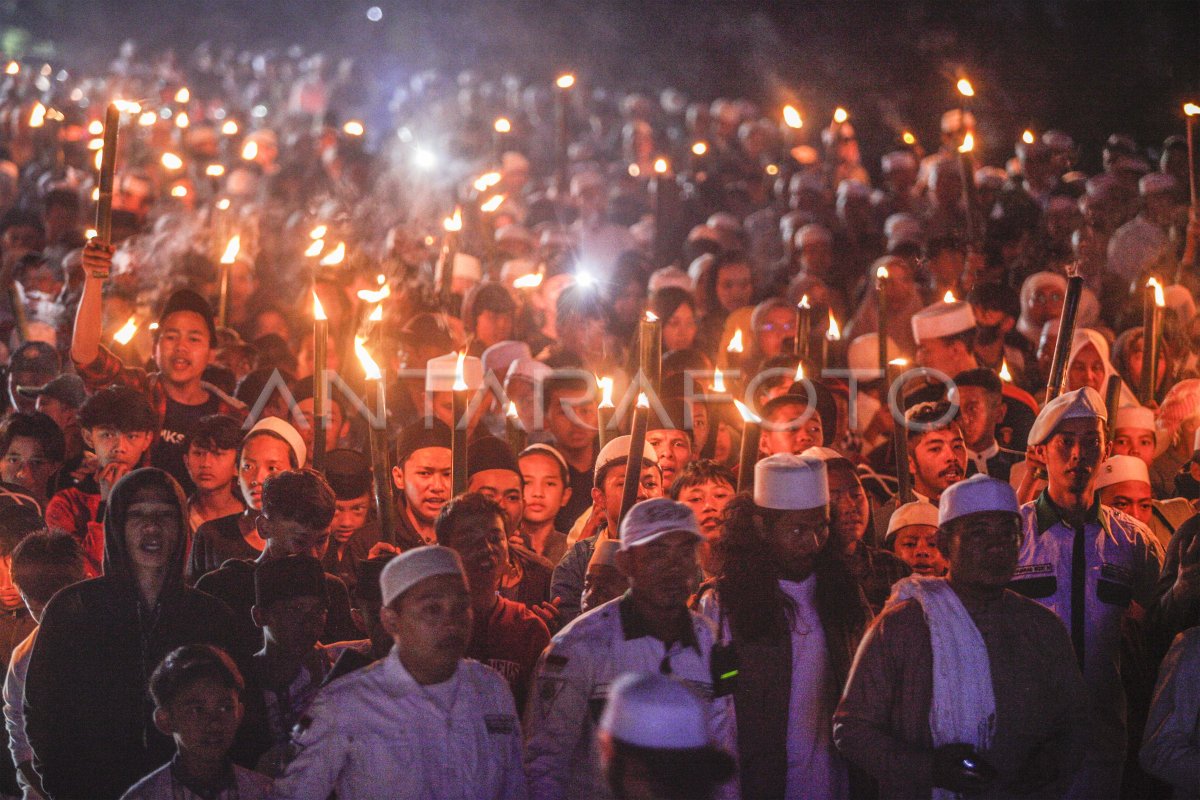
(532, 439)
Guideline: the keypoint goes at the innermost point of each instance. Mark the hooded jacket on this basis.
(88, 711)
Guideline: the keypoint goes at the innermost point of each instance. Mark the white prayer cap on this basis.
(1138, 417)
(863, 356)
(811, 234)
(1085, 403)
(655, 518)
(1180, 300)
(650, 710)
(826, 454)
(975, 495)
(918, 512)
(528, 368)
(514, 233)
(605, 553)
(413, 566)
(1155, 183)
(724, 221)
(619, 448)
(942, 319)
(1118, 469)
(788, 482)
(669, 276)
(467, 266)
(500, 356)
(440, 373)
(902, 227)
(898, 159)
(285, 431)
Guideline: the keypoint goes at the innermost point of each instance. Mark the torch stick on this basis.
(650, 350)
(108, 166)
(380, 466)
(320, 364)
(1151, 314)
(748, 455)
(514, 430)
(1191, 110)
(900, 434)
(633, 465)
(1066, 332)
(1112, 396)
(604, 410)
(458, 431)
(881, 282)
(803, 327)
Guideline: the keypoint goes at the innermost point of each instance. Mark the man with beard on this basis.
(937, 457)
(648, 629)
(423, 717)
(506, 635)
(874, 569)
(184, 345)
(961, 686)
(1087, 564)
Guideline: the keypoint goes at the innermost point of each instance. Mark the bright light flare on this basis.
(1191, 109)
(968, 143)
(231, 250)
(661, 166)
(882, 274)
(147, 119)
(230, 128)
(833, 333)
(1159, 300)
(1027, 137)
(840, 115)
(214, 170)
(318, 309)
(370, 296)
(530, 281)
(699, 148)
(1005, 375)
(37, 117)
(718, 384)
(492, 204)
(335, 256)
(908, 138)
(376, 315)
(183, 95)
(486, 181)
(643, 401)
(95, 128)
(182, 120)
(318, 232)
(949, 297)
(565, 81)
(353, 128)
(454, 223)
(250, 151)
(965, 88)
(747, 414)
(799, 376)
(460, 381)
(125, 334)
(171, 161)
(179, 190)
(502, 125)
(791, 117)
(804, 302)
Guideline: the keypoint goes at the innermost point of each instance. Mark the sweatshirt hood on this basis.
(117, 563)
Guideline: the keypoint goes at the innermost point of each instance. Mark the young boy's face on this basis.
(707, 501)
(293, 625)
(545, 491)
(25, 464)
(203, 719)
(183, 349)
(126, 447)
(211, 469)
(349, 516)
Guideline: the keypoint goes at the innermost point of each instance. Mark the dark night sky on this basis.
(1087, 67)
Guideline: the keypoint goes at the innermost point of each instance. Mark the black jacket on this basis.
(87, 711)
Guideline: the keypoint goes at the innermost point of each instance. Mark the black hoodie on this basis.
(87, 710)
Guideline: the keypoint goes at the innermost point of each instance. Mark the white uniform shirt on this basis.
(376, 734)
(572, 682)
(1121, 563)
(14, 710)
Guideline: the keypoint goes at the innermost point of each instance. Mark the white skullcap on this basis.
(1118, 469)
(1138, 417)
(1156, 182)
(655, 518)
(942, 319)
(898, 159)
(619, 448)
(863, 356)
(811, 234)
(440, 373)
(669, 276)
(918, 512)
(467, 266)
(789, 482)
(285, 431)
(1085, 403)
(605, 553)
(975, 495)
(824, 453)
(654, 711)
(1180, 300)
(413, 566)
(528, 368)
(500, 356)
(902, 227)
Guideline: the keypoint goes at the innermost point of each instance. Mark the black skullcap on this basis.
(188, 300)
(285, 578)
(996, 297)
(419, 435)
(825, 403)
(488, 452)
(677, 416)
(348, 472)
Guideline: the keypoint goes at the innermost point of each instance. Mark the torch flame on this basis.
(747, 414)
(642, 401)
(318, 232)
(530, 281)
(1158, 292)
(1027, 137)
(718, 384)
(882, 273)
(147, 119)
(214, 170)
(804, 302)
(1191, 109)
(899, 362)
(250, 151)
(230, 128)
(965, 88)
(949, 297)
(376, 315)
(369, 296)
(336, 256)
(370, 368)
(453, 224)
(486, 181)
(735, 344)
(183, 95)
(1005, 375)
(840, 115)
(512, 412)
(95, 127)
(968, 143)
(908, 138)
(791, 117)
(651, 316)
(223, 204)
(89, 234)
(565, 81)
(660, 166)
(231, 250)
(460, 382)
(127, 331)
(182, 120)
(318, 309)
(353, 128)
(171, 161)
(12, 69)
(606, 392)
(834, 333)
(179, 191)
(128, 106)
(502, 125)
(492, 203)
(700, 148)
(37, 117)
(315, 248)
(799, 376)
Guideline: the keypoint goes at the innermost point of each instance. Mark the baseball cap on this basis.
(655, 518)
(66, 388)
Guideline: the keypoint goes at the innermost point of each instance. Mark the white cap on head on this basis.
(528, 368)
(669, 276)
(619, 448)
(975, 495)
(811, 234)
(942, 319)
(441, 372)
(789, 482)
(898, 159)
(918, 512)
(467, 266)
(655, 518)
(1118, 469)
(285, 431)
(500, 356)
(651, 710)
(1155, 183)
(1137, 417)
(605, 553)
(1085, 403)
(413, 566)
(863, 356)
